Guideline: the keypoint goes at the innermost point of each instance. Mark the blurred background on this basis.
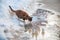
(11, 24)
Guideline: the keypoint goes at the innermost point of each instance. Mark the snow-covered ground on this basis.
(45, 24)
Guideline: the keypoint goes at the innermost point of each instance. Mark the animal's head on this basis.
(30, 18)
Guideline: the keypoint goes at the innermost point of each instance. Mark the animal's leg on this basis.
(24, 22)
(19, 19)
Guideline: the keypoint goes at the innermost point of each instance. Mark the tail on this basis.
(11, 8)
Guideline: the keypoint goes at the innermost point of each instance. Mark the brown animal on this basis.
(21, 14)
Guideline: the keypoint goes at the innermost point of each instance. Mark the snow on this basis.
(13, 29)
